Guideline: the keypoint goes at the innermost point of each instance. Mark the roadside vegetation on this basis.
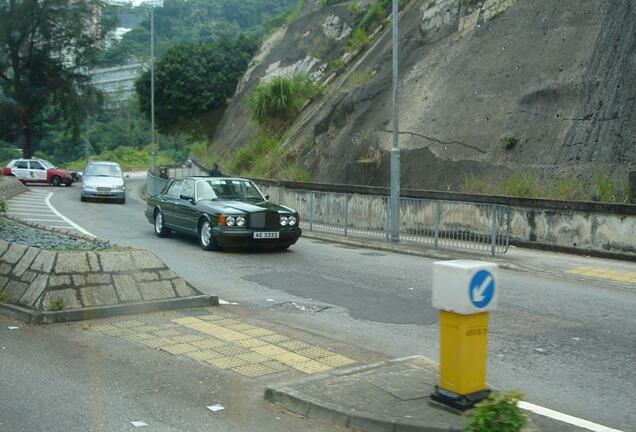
(4, 298)
(602, 188)
(57, 304)
(130, 158)
(499, 412)
(3, 205)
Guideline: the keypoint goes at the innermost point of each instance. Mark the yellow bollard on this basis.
(464, 291)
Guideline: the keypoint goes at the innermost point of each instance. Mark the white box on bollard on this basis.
(465, 287)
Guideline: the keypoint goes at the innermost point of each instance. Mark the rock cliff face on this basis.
(557, 74)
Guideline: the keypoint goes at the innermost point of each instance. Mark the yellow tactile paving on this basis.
(179, 348)
(228, 343)
(608, 274)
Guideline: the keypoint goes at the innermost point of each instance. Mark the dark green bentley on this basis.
(222, 212)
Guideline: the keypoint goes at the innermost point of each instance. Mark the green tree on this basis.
(45, 46)
(193, 83)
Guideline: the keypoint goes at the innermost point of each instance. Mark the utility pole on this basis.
(153, 144)
(394, 212)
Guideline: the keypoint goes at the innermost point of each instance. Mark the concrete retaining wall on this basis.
(34, 278)
(10, 186)
(595, 228)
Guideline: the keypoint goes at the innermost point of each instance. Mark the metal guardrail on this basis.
(435, 223)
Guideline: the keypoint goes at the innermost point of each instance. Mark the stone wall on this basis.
(34, 278)
(10, 186)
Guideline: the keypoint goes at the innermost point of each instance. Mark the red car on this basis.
(37, 171)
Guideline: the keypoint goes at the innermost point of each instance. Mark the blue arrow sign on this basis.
(481, 289)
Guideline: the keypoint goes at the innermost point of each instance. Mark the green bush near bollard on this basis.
(497, 413)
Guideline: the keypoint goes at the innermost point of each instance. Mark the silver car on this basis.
(104, 181)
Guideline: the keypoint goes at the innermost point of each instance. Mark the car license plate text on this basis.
(266, 235)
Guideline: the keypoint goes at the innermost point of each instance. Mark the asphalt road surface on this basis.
(567, 345)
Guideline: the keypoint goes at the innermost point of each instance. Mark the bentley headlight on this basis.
(291, 220)
(240, 221)
(230, 221)
(283, 221)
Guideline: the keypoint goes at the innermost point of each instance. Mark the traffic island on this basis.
(41, 286)
(393, 396)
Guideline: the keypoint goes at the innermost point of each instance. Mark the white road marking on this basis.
(565, 418)
(29, 211)
(64, 218)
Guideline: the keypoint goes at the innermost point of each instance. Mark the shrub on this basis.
(475, 184)
(57, 304)
(4, 298)
(276, 103)
(354, 7)
(358, 39)
(508, 141)
(499, 412)
(335, 64)
(130, 158)
(3, 205)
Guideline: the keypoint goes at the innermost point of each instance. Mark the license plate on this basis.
(266, 235)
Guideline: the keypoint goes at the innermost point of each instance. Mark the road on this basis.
(567, 345)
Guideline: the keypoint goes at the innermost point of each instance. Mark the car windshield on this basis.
(243, 190)
(102, 170)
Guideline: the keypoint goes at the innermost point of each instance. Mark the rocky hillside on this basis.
(487, 88)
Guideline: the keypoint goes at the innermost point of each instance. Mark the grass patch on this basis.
(4, 298)
(3, 205)
(358, 39)
(359, 78)
(275, 104)
(508, 141)
(264, 157)
(57, 304)
(524, 185)
(335, 64)
(354, 7)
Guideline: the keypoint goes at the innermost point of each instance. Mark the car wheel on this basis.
(160, 228)
(83, 198)
(206, 238)
(56, 181)
(122, 201)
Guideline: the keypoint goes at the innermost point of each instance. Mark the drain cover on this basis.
(300, 307)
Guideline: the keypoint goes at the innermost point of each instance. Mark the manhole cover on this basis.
(299, 307)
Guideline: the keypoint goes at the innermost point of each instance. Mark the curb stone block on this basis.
(182, 288)
(28, 276)
(14, 253)
(100, 295)
(167, 274)
(68, 297)
(146, 276)
(35, 290)
(116, 261)
(15, 290)
(97, 278)
(126, 288)
(71, 262)
(3, 246)
(93, 262)
(156, 290)
(44, 261)
(25, 261)
(58, 281)
(5, 269)
(145, 260)
(79, 280)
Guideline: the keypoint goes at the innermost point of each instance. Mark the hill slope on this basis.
(555, 74)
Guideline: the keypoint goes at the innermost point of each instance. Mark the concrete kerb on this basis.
(286, 397)
(34, 317)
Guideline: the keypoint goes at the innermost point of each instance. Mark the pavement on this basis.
(564, 339)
